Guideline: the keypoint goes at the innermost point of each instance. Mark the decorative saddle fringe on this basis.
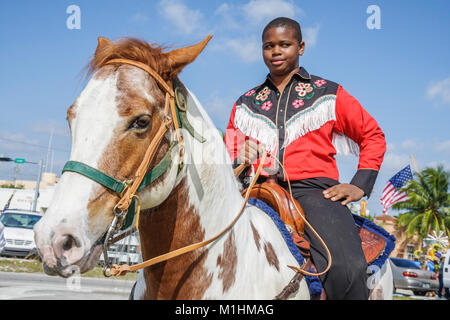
(256, 126)
(310, 119)
(344, 145)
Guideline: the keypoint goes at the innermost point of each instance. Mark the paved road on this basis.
(32, 286)
(410, 294)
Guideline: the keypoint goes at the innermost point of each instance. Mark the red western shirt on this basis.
(305, 126)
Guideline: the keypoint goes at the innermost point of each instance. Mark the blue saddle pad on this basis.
(314, 284)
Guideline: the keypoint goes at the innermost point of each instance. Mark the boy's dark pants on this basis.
(347, 277)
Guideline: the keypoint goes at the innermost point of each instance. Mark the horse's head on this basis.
(112, 123)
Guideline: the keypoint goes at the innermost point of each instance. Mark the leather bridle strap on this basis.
(117, 270)
(116, 185)
(126, 199)
(145, 67)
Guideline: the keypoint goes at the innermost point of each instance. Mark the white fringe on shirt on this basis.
(264, 130)
(310, 119)
(344, 145)
(256, 126)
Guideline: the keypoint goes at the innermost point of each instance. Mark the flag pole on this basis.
(415, 165)
(363, 208)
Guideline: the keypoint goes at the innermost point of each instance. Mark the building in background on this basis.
(126, 250)
(48, 179)
(404, 247)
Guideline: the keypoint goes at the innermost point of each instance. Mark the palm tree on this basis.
(428, 206)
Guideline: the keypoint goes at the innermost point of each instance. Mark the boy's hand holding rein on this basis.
(250, 151)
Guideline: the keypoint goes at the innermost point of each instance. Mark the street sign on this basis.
(19, 160)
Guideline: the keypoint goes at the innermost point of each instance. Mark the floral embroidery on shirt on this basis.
(266, 105)
(297, 103)
(250, 93)
(262, 95)
(303, 89)
(319, 83)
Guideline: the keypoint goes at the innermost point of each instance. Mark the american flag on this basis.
(390, 193)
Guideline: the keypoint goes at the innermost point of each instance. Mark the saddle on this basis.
(280, 200)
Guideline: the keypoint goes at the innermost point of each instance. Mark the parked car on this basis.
(2, 237)
(18, 232)
(446, 276)
(408, 276)
(125, 251)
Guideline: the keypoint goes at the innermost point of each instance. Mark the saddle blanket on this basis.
(314, 284)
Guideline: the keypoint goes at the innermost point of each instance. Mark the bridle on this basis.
(173, 119)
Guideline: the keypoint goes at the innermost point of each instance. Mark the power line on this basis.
(34, 145)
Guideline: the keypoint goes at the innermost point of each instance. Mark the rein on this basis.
(143, 177)
(174, 118)
(117, 270)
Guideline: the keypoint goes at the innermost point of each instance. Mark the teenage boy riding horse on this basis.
(306, 120)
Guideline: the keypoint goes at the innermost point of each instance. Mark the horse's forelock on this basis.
(132, 49)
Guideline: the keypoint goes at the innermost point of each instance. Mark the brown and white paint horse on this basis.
(112, 123)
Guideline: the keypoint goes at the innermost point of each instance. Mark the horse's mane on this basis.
(133, 49)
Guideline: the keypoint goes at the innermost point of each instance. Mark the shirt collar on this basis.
(302, 73)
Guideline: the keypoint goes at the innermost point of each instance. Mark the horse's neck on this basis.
(205, 201)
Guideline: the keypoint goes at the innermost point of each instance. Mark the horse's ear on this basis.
(102, 43)
(179, 58)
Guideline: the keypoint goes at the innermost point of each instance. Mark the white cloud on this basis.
(48, 126)
(223, 9)
(228, 15)
(395, 161)
(186, 20)
(412, 145)
(258, 11)
(434, 164)
(218, 108)
(391, 147)
(443, 147)
(310, 36)
(17, 142)
(248, 19)
(440, 91)
(408, 144)
(248, 49)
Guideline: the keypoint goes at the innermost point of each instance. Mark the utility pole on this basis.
(16, 172)
(38, 182)
(49, 148)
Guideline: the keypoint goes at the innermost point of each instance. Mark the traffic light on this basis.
(16, 160)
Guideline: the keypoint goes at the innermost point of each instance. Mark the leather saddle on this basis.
(279, 199)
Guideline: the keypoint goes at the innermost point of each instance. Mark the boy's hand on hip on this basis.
(344, 191)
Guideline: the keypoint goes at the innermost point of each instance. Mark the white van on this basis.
(446, 276)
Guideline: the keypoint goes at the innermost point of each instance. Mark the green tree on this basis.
(12, 186)
(428, 206)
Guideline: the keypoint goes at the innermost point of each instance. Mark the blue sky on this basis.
(400, 73)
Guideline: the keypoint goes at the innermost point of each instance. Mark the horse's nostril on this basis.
(70, 242)
(67, 245)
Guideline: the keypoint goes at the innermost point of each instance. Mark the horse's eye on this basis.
(140, 123)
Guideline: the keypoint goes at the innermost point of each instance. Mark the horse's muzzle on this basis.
(66, 252)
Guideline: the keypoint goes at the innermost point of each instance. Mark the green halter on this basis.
(154, 173)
